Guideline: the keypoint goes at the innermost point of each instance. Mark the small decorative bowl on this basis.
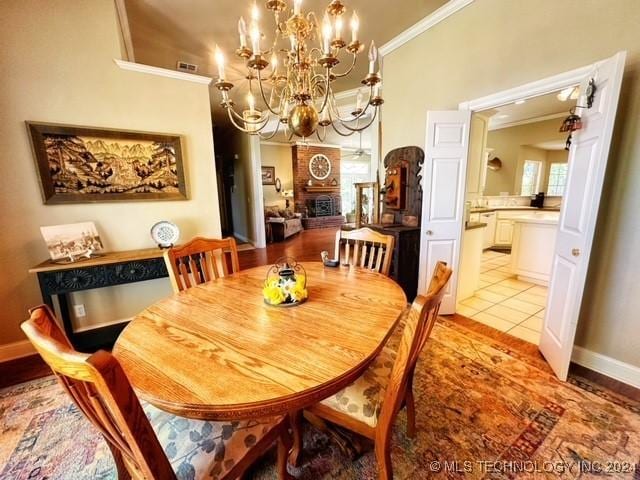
(285, 284)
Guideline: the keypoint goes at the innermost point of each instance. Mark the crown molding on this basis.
(125, 30)
(528, 121)
(162, 72)
(434, 18)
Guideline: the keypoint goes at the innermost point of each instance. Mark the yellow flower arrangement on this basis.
(278, 291)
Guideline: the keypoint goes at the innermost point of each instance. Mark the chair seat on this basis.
(362, 400)
(201, 450)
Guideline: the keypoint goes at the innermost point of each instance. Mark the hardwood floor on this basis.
(306, 246)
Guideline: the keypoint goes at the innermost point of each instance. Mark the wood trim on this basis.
(610, 367)
(14, 350)
(162, 72)
(125, 30)
(105, 259)
(423, 25)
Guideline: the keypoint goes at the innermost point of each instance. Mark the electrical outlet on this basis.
(79, 310)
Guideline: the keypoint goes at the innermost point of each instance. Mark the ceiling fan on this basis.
(358, 152)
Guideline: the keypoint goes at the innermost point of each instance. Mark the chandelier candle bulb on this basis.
(373, 56)
(255, 12)
(220, 61)
(355, 24)
(297, 4)
(274, 62)
(359, 101)
(255, 38)
(338, 28)
(252, 102)
(242, 30)
(326, 34)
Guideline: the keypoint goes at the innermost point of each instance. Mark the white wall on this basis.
(57, 63)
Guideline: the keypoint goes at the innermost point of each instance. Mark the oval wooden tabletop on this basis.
(217, 351)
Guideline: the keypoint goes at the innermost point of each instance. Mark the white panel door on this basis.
(587, 164)
(443, 188)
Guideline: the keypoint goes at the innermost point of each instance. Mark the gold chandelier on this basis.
(295, 84)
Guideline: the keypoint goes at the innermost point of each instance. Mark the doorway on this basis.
(518, 158)
(445, 180)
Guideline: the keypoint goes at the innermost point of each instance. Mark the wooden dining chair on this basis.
(148, 443)
(365, 248)
(369, 406)
(201, 260)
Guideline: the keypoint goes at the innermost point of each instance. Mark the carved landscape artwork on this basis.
(88, 165)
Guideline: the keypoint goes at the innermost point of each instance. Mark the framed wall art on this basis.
(85, 164)
(268, 175)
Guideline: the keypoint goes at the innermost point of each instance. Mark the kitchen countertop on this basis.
(541, 220)
(520, 207)
(472, 225)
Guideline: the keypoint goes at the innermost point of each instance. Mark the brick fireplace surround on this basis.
(301, 155)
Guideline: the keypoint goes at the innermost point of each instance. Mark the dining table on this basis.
(218, 351)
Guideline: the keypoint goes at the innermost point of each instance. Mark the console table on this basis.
(110, 269)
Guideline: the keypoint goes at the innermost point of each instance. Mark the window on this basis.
(530, 177)
(352, 171)
(557, 179)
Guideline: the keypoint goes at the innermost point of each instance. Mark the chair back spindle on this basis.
(201, 260)
(365, 248)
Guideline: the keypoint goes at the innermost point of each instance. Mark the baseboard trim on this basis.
(623, 372)
(242, 238)
(11, 351)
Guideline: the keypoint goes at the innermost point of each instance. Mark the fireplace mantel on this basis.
(322, 189)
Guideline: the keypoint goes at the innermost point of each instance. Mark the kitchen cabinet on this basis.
(490, 232)
(504, 232)
(534, 240)
(470, 262)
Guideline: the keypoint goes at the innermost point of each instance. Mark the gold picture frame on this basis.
(88, 164)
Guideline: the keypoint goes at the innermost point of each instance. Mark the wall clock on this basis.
(320, 166)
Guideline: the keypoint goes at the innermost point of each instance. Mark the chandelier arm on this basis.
(235, 124)
(263, 118)
(327, 89)
(324, 137)
(264, 98)
(360, 129)
(342, 134)
(355, 117)
(349, 70)
(269, 137)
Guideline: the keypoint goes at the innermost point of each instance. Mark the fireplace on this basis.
(324, 206)
(317, 200)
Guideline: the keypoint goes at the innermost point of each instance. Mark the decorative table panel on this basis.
(108, 270)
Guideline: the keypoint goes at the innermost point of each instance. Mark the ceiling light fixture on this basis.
(295, 84)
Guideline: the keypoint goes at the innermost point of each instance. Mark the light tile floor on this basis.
(504, 302)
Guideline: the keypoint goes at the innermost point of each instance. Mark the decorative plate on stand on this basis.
(165, 234)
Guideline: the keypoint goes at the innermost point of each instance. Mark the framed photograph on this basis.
(268, 175)
(72, 241)
(84, 164)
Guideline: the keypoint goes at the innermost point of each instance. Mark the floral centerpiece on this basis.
(285, 284)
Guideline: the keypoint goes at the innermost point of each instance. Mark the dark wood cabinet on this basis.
(406, 256)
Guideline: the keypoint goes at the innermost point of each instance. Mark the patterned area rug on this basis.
(483, 411)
